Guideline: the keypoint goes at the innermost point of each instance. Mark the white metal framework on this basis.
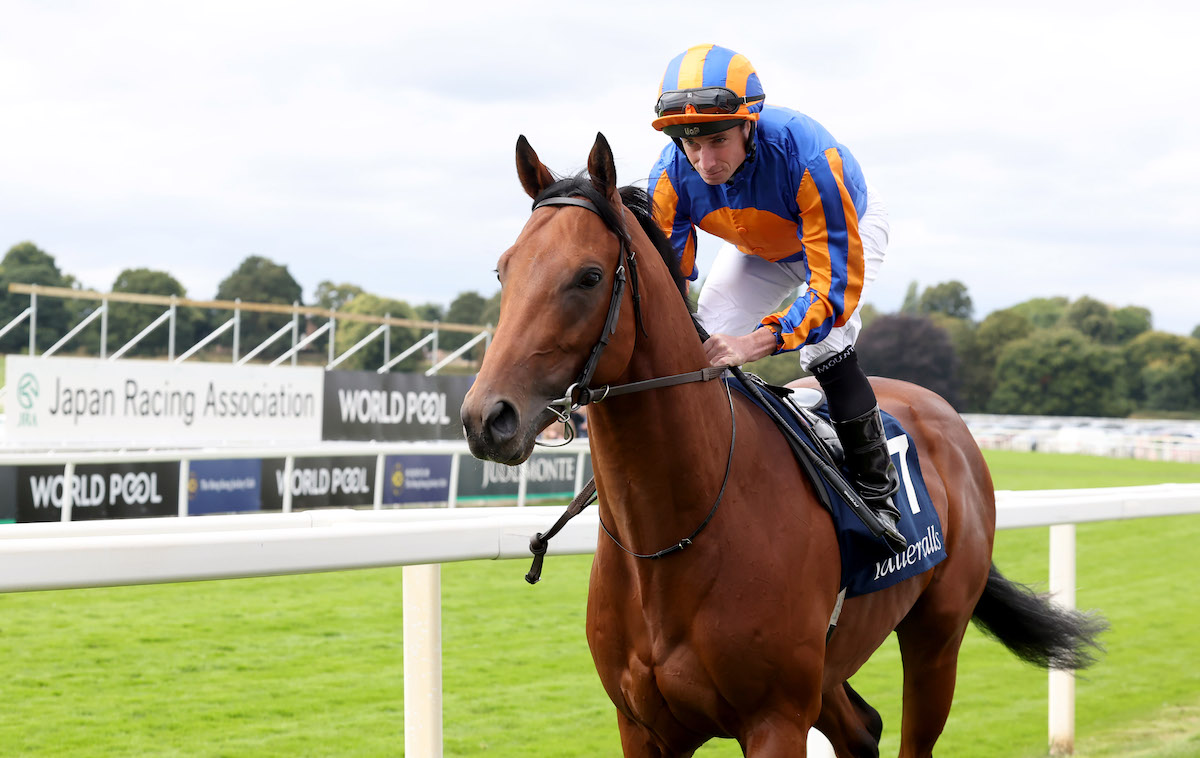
(299, 340)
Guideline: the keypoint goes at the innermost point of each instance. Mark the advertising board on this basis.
(98, 491)
(364, 405)
(320, 482)
(133, 401)
(547, 476)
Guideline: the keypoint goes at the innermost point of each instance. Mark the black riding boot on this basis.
(874, 475)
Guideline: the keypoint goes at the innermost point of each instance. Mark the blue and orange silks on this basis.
(797, 198)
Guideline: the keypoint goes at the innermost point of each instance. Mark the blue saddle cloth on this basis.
(868, 564)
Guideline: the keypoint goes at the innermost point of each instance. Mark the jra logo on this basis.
(27, 394)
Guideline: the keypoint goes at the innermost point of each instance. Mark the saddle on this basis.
(868, 564)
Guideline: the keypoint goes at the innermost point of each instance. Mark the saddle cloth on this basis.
(868, 564)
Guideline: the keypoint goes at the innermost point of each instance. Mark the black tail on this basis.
(1036, 631)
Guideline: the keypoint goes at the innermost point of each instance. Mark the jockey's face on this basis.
(717, 156)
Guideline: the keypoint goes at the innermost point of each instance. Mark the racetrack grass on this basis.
(311, 665)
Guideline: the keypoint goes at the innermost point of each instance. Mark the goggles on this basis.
(708, 100)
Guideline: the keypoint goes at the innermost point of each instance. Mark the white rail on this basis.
(108, 553)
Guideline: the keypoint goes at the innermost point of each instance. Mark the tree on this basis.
(979, 361)
(126, 320)
(1170, 385)
(467, 308)
(1042, 312)
(1091, 318)
(1156, 364)
(911, 348)
(1131, 321)
(259, 280)
(1059, 372)
(430, 312)
(333, 297)
(491, 310)
(26, 263)
(371, 356)
(912, 304)
(949, 298)
(1196, 332)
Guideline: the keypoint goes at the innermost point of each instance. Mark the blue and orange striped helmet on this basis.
(705, 90)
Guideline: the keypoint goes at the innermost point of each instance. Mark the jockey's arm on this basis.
(731, 350)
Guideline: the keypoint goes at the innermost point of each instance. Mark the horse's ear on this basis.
(602, 168)
(534, 176)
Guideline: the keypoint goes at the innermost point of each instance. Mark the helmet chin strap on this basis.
(751, 150)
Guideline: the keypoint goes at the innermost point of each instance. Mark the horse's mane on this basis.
(638, 202)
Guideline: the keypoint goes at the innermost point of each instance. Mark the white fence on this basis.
(109, 553)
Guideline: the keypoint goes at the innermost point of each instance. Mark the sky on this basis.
(1025, 149)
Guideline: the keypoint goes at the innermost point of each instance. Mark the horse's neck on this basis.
(659, 455)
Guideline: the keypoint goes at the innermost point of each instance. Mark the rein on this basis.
(580, 394)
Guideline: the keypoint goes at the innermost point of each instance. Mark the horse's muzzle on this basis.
(494, 431)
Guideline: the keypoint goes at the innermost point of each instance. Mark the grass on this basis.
(311, 665)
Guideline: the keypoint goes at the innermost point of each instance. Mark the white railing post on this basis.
(380, 459)
(579, 470)
(295, 329)
(68, 499)
(422, 610)
(174, 323)
(387, 338)
(332, 336)
(185, 473)
(452, 495)
(522, 482)
(237, 328)
(1062, 683)
(33, 323)
(103, 328)
(289, 465)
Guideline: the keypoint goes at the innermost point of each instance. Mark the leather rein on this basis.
(580, 393)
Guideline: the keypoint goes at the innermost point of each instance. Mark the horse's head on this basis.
(557, 288)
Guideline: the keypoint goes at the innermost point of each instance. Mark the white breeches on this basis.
(741, 289)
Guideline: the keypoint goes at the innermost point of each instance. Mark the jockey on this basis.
(796, 210)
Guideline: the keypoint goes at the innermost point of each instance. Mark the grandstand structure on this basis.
(301, 336)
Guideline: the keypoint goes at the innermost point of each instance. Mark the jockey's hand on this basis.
(727, 350)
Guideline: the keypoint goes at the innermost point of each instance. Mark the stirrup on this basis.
(888, 519)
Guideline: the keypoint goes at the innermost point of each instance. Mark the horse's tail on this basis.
(1035, 630)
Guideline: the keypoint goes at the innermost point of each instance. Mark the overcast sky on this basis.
(1028, 149)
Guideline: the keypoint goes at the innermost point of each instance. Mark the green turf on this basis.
(311, 665)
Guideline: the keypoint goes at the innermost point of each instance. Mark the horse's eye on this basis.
(590, 279)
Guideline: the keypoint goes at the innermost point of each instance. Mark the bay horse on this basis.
(719, 630)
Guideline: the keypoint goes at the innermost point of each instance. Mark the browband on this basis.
(579, 201)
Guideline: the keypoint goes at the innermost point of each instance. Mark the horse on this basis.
(717, 573)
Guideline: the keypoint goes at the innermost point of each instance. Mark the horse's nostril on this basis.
(502, 420)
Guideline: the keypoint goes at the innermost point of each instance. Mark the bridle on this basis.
(580, 393)
(627, 259)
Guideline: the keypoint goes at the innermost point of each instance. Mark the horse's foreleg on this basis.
(781, 736)
(852, 726)
(639, 742)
